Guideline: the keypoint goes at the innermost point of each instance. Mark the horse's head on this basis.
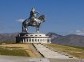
(42, 18)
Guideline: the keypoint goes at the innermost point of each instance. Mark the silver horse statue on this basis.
(34, 20)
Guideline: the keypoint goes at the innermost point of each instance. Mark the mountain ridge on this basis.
(71, 39)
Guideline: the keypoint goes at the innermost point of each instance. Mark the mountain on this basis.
(8, 37)
(53, 35)
(71, 39)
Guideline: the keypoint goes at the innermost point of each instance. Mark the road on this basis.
(27, 59)
(47, 53)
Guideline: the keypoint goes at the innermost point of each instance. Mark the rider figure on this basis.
(33, 13)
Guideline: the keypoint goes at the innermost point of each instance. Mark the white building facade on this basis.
(34, 38)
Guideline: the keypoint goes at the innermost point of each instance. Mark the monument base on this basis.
(32, 38)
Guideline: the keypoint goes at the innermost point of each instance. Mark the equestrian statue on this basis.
(34, 20)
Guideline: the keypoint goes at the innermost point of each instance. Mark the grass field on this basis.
(19, 50)
(13, 51)
(74, 51)
(29, 51)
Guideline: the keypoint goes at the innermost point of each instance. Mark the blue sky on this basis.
(62, 16)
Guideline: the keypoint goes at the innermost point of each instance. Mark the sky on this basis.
(62, 16)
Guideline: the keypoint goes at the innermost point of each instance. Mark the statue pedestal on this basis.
(32, 38)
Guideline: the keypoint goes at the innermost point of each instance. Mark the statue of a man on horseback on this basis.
(34, 20)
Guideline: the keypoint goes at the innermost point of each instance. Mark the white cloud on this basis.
(79, 32)
(20, 20)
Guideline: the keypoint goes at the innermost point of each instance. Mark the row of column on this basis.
(36, 40)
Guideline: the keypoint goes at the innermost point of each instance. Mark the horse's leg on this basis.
(22, 27)
(37, 29)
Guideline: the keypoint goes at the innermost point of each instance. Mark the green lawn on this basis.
(72, 50)
(13, 51)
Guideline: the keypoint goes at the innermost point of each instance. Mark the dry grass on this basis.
(27, 47)
(74, 51)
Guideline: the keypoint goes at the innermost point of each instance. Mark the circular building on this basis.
(32, 38)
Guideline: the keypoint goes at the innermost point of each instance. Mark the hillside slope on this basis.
(71, 39)
(8, 37)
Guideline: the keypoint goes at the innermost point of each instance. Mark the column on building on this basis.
(32, 40)
(35, 40)
(29, 40)
(23, 40)
(49, 40)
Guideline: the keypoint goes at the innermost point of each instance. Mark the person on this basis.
(33, 13)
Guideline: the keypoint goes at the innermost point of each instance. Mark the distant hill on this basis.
(53, 35)
(8, 37)
(72, 39)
